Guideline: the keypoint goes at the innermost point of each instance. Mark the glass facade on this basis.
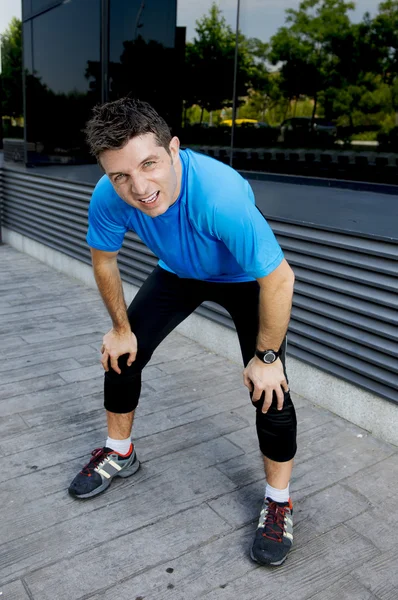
(60, 45)
(309, 90)
(144, 56)
(313, 89)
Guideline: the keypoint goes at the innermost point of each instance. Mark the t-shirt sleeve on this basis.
(246, 233)
(106, 219)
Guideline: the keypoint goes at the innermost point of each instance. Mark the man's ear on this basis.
(174, 148)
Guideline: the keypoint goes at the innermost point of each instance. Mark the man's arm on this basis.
(276, 291)
(119, 340)
(275, 304)
(109, 283)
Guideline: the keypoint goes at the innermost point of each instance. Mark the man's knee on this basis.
(277, 430)
(122, 392)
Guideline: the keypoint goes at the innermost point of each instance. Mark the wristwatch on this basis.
(268, 356)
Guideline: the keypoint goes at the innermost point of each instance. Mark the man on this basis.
(199, 217)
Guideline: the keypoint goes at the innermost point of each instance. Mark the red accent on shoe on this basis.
(127, 453)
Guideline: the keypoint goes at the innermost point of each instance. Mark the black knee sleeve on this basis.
(277, 429)
(122, 392)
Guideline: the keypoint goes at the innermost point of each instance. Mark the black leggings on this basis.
(164, 301)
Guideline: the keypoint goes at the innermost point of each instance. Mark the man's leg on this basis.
(161, 304)
(276, 432)
(278, 474)
(119, 425)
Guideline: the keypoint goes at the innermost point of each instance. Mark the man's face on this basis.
(144, 175)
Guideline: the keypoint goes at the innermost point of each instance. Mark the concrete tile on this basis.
(19, 374)
(378, 482)
(324, 470)
(192, 575)
(126, 555)
(178, 366)
(344, 589)
(308, 570)
(379, 524)
(42, 435)
(54, 332)
(241, 506)
(36, 537)
(195, 376)
(211, 391)
(319, 513)
(44, 357)
(75, 449)
(21, 348)
(380, 575)
(13, 591)
(79, 373)
(159, 444)
(327, 436)
(32, 315)
(55, 403)
(246, 468)
(22, 387)
(246, 438)
(309, 417)
(11, 426)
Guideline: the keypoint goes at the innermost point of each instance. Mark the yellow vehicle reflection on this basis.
(228, 122)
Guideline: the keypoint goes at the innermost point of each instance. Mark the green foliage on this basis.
(349, 70)
(209, 64)
(324, 65)
(11, 76)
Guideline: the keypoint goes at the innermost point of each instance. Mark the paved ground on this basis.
(181, 528)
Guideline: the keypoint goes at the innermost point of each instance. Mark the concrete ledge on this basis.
(358, 406)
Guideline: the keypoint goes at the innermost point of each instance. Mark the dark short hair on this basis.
(113, 124)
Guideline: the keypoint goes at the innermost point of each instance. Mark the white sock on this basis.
(120, 446)
(277, 495)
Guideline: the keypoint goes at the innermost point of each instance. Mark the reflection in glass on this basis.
(40, 5)
(207, 74)
(26, 9)
(144, 55)
(322, 79)
(60, 90)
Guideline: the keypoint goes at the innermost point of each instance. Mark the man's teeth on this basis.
(151, 198)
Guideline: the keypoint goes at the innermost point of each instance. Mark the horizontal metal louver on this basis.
(344, 318)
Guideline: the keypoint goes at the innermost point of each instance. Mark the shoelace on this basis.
(98, 456)
(274, 524)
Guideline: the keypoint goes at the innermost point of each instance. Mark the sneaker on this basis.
(274, 535)
(97, 475)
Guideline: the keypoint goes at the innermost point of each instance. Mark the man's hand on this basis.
(116, 343)
(259, 377)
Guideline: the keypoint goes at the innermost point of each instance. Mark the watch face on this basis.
(269, 357)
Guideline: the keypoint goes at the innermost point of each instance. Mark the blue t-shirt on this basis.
(213, 232)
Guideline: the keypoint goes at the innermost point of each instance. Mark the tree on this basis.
(11, 76)
(305, 47)
(209, 63)
(384, 37)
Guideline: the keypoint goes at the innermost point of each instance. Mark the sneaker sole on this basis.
(269, 564)
(126, 473)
